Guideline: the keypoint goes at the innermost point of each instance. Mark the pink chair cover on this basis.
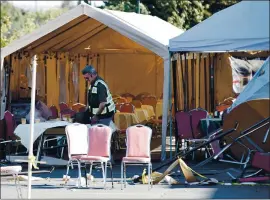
(183, 125)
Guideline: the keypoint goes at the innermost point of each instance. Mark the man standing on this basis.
(101, 107)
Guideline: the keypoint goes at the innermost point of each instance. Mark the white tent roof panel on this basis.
(148, 31)
(241, 27)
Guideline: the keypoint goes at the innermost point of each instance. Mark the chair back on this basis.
(77, 135)
(138, 141)
(118, 106)
(77, 106)
(63, 106)
(183, 125)
(196, 116)
(99, 140)
(127, 107)
(215, 145)
(120, 100)
(261, 160)
(10, 125)
(128, 96)
(69, 112)
(150, 100)
(137, 103)
(54, 111)
(142, 95)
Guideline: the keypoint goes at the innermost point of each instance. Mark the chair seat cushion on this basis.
(95, 158)
(136, 159)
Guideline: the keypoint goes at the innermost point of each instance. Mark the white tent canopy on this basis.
(257, 88)
(241, 27)
(147, 31)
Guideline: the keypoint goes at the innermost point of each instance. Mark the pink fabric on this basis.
(68, 112)
(183, 125)
(63, 106)
(99, 138)
(10, 125)
(261, 161)
(54, 112)
(77, 135)
(138, 141)
(127, 107)
(95, 158)
(44, 110)
(254, 179)
(136, 159)
(196, 116)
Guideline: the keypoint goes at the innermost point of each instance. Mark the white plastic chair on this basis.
(99, 149)
(77, 139)
(138, 150)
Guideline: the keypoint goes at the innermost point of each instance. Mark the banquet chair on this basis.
(120, 100)
(150, 100)
(63, 106)
(78, 106)
(99, 149)
(128, 96)
(196, 115)
(54, 111)
(138, 151)
(77, 140)
(142, 95)
(136, 103)
(127, 108)
(186, 136)
(68, 111)
(118, 106)
(10, 138)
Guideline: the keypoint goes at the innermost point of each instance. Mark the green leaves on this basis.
(181, 13)
(15, 22)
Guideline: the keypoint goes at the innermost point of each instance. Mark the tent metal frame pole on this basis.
(49, 48)
(174, 71)
(8, 100)
(187, 84)
(205, 84)
(105, 28)
(210, 82)
(200, 58)
(192, 78)
(45, 72)
(183, 81)
(69, 28)
(213, 81)
(100, 26)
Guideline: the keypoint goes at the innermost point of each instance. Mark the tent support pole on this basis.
(32, 117)
(214, 60)
(210, 82)
(174, 71)
(200, 57)
(183, 81)
(186, 80)
(192, 78)
(205, 84)
(9, 75)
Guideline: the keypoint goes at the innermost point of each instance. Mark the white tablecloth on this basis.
(23, 130)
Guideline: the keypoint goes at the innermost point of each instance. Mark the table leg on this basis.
(40, 148)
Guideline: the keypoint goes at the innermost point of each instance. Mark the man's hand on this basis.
(94, 119)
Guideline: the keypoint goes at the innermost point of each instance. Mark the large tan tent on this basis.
(130, 51)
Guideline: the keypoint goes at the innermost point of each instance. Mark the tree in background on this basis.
(184, 14)
(181, 13)
(15, 22)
